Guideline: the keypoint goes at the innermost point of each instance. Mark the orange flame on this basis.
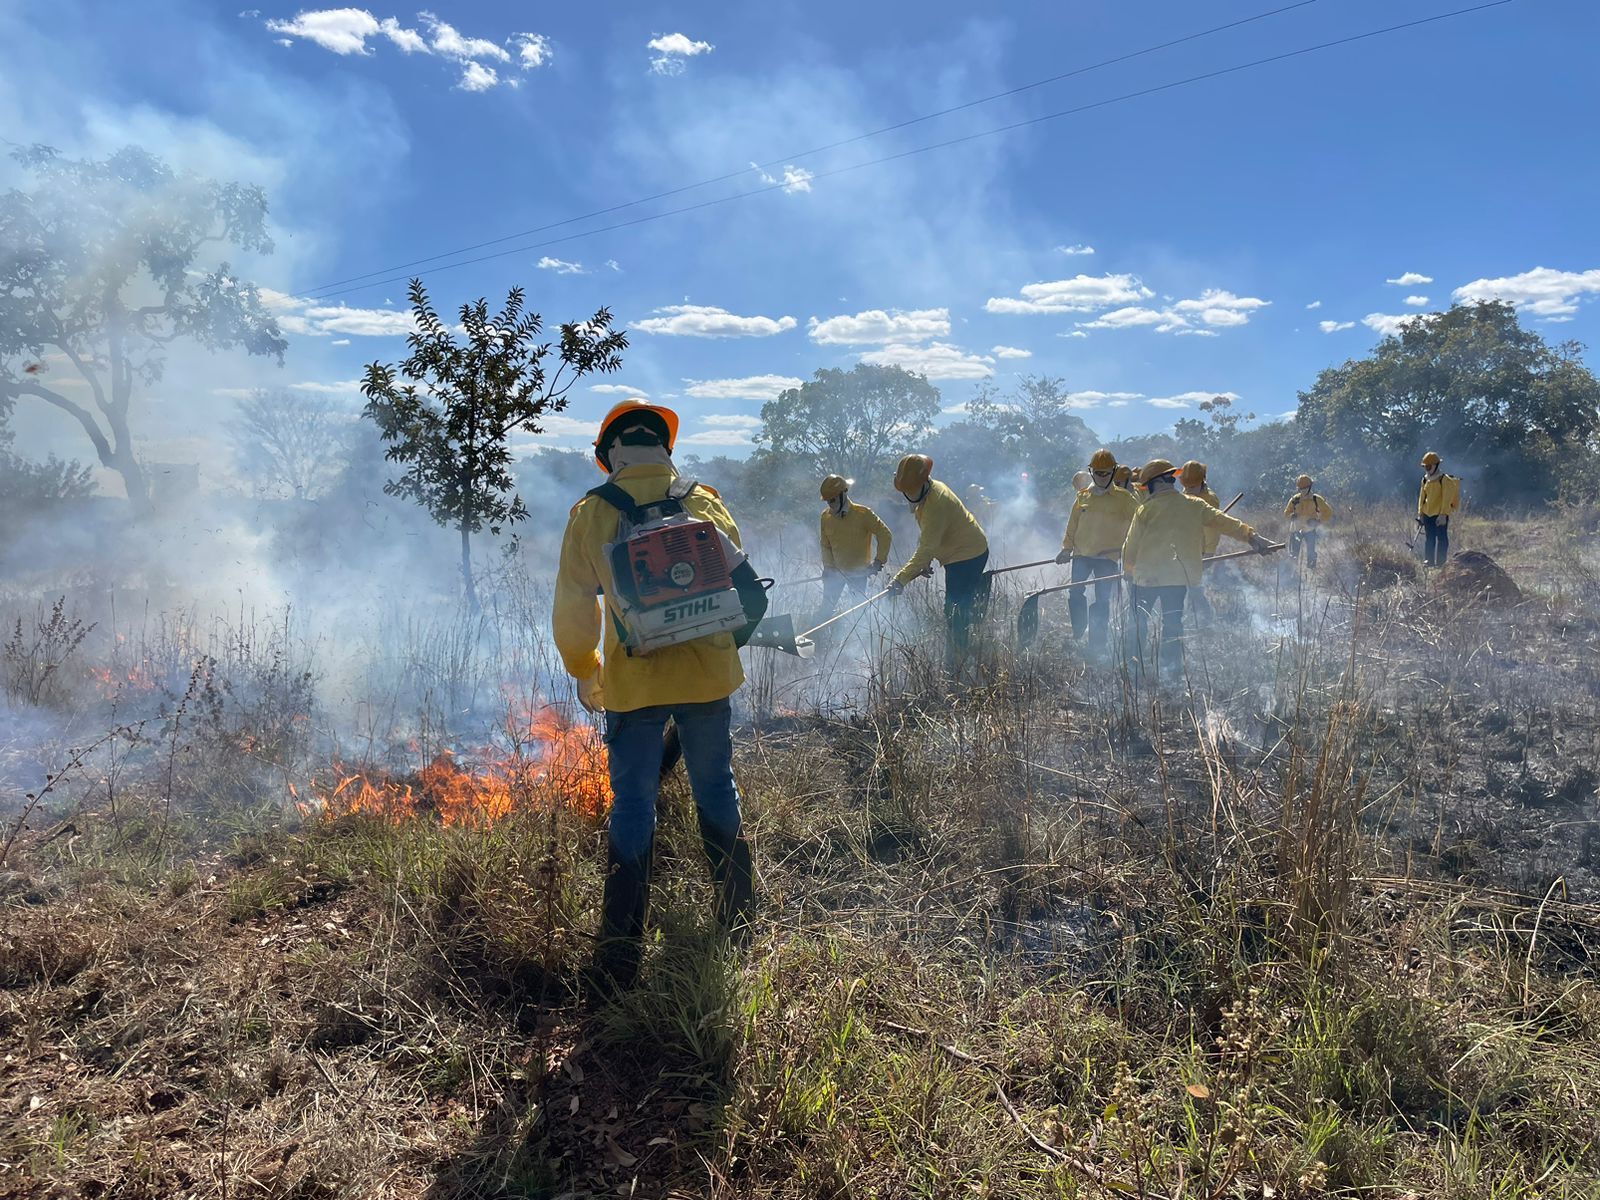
(555, 762)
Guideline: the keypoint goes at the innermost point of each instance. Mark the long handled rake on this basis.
(1028, 614)
(777, 633)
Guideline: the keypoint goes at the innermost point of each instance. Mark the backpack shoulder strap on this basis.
(680, 488)
(616, 496)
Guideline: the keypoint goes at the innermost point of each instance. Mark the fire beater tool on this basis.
(1028, 614)
(1043, 562)
(777, 633)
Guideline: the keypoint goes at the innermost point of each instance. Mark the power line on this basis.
(955, 141)
(815, 150)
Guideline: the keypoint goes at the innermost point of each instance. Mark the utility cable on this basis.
(788, 159)
(955, 141)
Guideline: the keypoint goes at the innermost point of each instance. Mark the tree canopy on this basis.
(855, 423)
(105, 269)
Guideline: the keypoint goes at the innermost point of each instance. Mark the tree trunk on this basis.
(470, 588)
(133, 480)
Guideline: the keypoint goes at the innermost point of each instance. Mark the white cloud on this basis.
(1545, 292)
(307, 318)
(555, 427)
(340, 342)
(1092, 399)
(877, 326)
(1417, 301)
(1336, 326)
(1409, 279)
(560, 266)
(1075, 249)
(699, 320)
(673, 50)
(1117, 403)
(717, 437)
(611, 265)
(795, 179)
(1010, 352)
(1125, 318)
(533, 50)
(343, 387)
(409, 40)
(1189, 399)
(1387, 323)
(340, 30)
(1217, 306)
(475, 77)
(751, 387)
(1081, 293)
(448, 41)
(1074, 333)
(732, 421)
(1314, 304)
(1214, 308)
(1168, 402)
(936, 360)
(616, 389)
(1190, 332)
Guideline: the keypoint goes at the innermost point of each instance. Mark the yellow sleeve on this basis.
(1327, 510)
(1130, 544)
(826, 542)
(1452, 494)
(885, 539)
(1421, 494)
(935, 518)
(577, 619)
(1288, 509)
(1230, 525)
(1070, 541)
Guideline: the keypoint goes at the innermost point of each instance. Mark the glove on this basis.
(896, 587)
(1260, 543)
(876, 568)
(591, 695)
(1064, 557)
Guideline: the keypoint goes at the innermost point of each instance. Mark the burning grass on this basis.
(1318, 919)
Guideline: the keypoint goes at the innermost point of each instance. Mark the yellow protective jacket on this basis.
(1167, 539)
(1213, 536)
(946, 531)
(1099, 522)
(1439, 496)
(692, 673)
(847, 540)
(1309, 509)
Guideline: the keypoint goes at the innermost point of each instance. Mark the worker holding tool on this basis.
(951, 534)
(1307, 513)
(1193, 479)
(1162, 554)
(1096, 530)
(848, 531)
(639, 686)
(1437, 502)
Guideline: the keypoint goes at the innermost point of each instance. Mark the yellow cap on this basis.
(1102, 460)
(835, 486)
(1154, 469)
(1430, 459)
(1193, 473)
(912, 475)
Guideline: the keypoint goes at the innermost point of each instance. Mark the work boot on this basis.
(733, 881)
(622, 918)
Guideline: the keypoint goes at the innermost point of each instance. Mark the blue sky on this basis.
(1233, 236)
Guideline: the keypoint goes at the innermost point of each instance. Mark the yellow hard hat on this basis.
(1102, 460)
(1193, 473)
(662, 418)
(1082, 480)
(1431, 460)
(1122, 474)
(1154, 469)
(835, 486)
(912, 475)
(1303, 481)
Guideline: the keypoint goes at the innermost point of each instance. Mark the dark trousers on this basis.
(1436, 541)
(1170, 601)
(1092, 619)
(966, 599)
(1303, 543)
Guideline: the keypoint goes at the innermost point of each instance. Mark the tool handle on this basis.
(1234, 501)
(1083, 583)
(1043, 562)
(845, 613)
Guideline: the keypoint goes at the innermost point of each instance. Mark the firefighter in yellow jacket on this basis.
(951, 534)
(639, 692)
(1437, 502)
(1096, 529)
(847, 533)
(1308, 513)
(1162, 554)
(1193, 478)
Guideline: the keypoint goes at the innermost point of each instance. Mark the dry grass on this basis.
(1316, 919)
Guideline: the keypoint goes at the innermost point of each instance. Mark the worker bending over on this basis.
(1437, 502)
(1166, 542)
(1193, 478)
(1307, 513)
(847, 533)
(949, 533)
(647, 676)
(1096, 529)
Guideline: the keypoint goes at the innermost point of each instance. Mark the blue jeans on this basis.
(633, 744)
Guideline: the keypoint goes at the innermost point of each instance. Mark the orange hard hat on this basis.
(662, 418)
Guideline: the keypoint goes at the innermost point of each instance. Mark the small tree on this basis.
(25, 483)
(287, 442)
(855, 423)
(453, 431)
(102, 272)
(1036, 430)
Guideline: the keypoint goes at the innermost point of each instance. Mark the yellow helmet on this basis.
(835, 486)
(912, 475)
(1082, 480)
(1431, 460)
(1304, 481)
(662, 419)
(1154, 469)
(1102, 460)
(1193, 474)
(1122, 476)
